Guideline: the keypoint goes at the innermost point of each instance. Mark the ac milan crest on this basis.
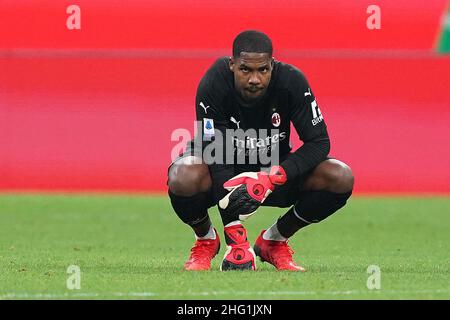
(276, 119)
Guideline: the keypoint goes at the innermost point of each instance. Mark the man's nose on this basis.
(254, 79)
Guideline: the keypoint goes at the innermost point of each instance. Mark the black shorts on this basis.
(283, 196)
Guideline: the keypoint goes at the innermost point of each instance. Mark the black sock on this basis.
(201, 229)
(192, 210)
(289, 223)
(312, 207)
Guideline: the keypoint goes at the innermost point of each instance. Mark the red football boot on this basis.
(202, 253)
(239, 254)
(277, 253)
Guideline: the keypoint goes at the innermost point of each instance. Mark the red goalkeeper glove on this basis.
(248, 190)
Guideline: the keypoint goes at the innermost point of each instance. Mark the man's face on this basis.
(252, 72)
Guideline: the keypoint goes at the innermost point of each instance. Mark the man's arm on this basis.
(310, 126)
(213, 123)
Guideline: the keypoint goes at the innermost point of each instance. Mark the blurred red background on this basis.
(94, 109)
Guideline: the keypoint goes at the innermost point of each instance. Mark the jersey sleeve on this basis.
(309, 123)
(212, 123)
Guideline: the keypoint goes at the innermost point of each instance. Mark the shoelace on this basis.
(284, 252)
(199, 248)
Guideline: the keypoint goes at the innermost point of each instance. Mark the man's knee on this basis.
(331, 175)
(339, 177)
(188, 177)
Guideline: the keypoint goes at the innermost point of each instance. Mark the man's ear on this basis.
(231, 64)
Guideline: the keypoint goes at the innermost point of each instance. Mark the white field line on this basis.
(13, 295)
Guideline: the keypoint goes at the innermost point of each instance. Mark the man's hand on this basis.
(248, 190)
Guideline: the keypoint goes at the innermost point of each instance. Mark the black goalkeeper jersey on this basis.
(288, 99)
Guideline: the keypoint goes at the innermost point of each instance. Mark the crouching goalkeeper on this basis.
(252, 90)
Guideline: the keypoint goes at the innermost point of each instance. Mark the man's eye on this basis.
(244, 69)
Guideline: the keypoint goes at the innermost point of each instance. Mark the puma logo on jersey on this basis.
(235, 121)
(308, 93)
(203, 106)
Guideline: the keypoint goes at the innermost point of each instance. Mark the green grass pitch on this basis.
(134, 247)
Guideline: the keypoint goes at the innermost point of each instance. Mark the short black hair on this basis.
(252, 41)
